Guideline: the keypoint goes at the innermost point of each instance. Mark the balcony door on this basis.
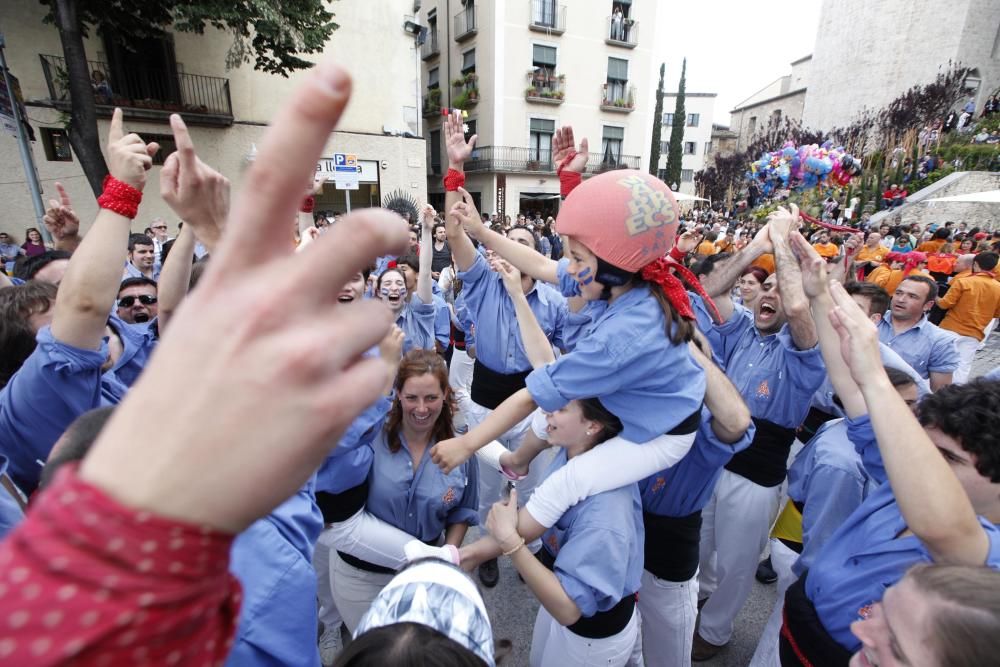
(143, 69)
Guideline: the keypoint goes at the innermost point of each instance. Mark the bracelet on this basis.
(515, 549)
(677, 254)
(120, 197)
(453, 180)
(308, 204)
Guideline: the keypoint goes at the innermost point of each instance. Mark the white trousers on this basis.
(354, 590)
(490, 481)
(328, 614)
(967, 346)
(460, 379)
(669, 610)
(611, 465)
(782, 560)
(734, 529)
(552, 644)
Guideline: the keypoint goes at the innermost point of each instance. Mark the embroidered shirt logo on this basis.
(553, 542)
(648, 208)
(763, 390)
(659, 484)
(449, 496)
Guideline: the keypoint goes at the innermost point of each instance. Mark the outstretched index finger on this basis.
(116, 131)
(185, 146)
(63, 195)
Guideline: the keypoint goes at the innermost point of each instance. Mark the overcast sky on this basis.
(733, 48)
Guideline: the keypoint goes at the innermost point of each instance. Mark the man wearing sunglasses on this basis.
(137, 300)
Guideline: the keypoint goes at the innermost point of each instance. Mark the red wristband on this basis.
(308, 204)
(453, 180)
(120, 197)
(568, 180)
(677, 254)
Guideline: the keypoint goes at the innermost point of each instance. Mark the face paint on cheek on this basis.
(584, 277)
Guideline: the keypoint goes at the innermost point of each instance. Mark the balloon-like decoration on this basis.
(804, 167)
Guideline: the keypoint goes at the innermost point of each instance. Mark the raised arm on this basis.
(456, 219)
(793, 299)
(816, 285)
(930, 497)
(459, 150)
(730, 414)
(62, 222)
(424, 280)
(175, 276)
(536, 343)
(88, 290)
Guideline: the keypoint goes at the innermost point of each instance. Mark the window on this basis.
(472, 125)
(687, 175)
(540, 141)
(708, 147)
(664, 147)
(617, 79)
(690, 148)
(435, 151)
(693, 119)
(752, 125)
(56, 143)
(668, 119)
(433, 80)
(543, 56)
(544, 13)
(776, 116)
(611, 147)
(662, 174)
(469, 61)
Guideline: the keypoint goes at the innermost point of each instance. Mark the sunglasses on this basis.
(129, 301)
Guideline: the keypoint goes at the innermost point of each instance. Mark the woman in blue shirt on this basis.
(590, 566)
(405, 488)
(414, 314)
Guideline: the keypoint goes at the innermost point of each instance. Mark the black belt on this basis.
(490, 388)
(813, 421)
(671, 547)
(803, 639)
(765, 461)
(371, 567)
(603, 624)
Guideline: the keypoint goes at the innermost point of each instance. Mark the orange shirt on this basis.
(972, 302)
(879, 275)
(706, 248)
(896, 277)
(866, 254)
(765, 262)
(934, 245)
(827, 249)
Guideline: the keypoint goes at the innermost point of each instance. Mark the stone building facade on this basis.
(782, 98)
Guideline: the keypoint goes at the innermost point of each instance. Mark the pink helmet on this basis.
(625, 217)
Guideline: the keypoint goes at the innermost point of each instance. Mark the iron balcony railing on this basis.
(465, 24)
(431, 47)
(617, 96)
(145, 93)
(622, 32)
(547, 16)
(518, 159)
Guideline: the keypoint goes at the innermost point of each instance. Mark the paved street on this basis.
(512, 607)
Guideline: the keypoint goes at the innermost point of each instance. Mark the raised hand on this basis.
(428, 216)
(451, 453)
(783, 222)
(466, 214)
(813, 267)
(262, 367)
(129, 157)
(60, 218)
(459, 150)
(858, 337)
(198, 194)
(511, 276)
(502, 522)
(563, 145)
(688, 241)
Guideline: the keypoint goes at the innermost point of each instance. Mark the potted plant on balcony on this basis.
(471, 78)
(458, 82)
(559, 94)
(472, 94)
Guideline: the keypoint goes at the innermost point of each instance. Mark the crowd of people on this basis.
(229, 446)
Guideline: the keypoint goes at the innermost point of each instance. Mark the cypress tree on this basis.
(675, 151)
(654, 149)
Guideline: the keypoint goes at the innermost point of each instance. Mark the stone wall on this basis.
(919, 211)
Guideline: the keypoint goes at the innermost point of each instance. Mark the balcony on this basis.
(466, 24)
(145, 94)
(432, 103)
(618, 97)
(466, 91)
(547, 17)
(622, 32)
(430, 48)
(545, 87)
(513, 159)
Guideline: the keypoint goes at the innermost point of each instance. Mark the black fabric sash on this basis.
(803, 640)
(671, 548)
(490, 389)
(764, 461)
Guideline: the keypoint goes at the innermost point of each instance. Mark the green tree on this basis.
(654, 148)
(269, 33)
(675, 152)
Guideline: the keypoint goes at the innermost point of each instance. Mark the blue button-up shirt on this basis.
(924, 346)
(416, 319)
(626, 360)
(10, 510)
(828, 478)
(273, 561)
(347, 466)
(421, 502)
(776, 379)
(498, 338)
(598, 547)
(132, 272)
(442, 320)
(864, 558)
(686, 487)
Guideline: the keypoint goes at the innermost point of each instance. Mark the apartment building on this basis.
(227, 110)
(522, 68)
(697, 142)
